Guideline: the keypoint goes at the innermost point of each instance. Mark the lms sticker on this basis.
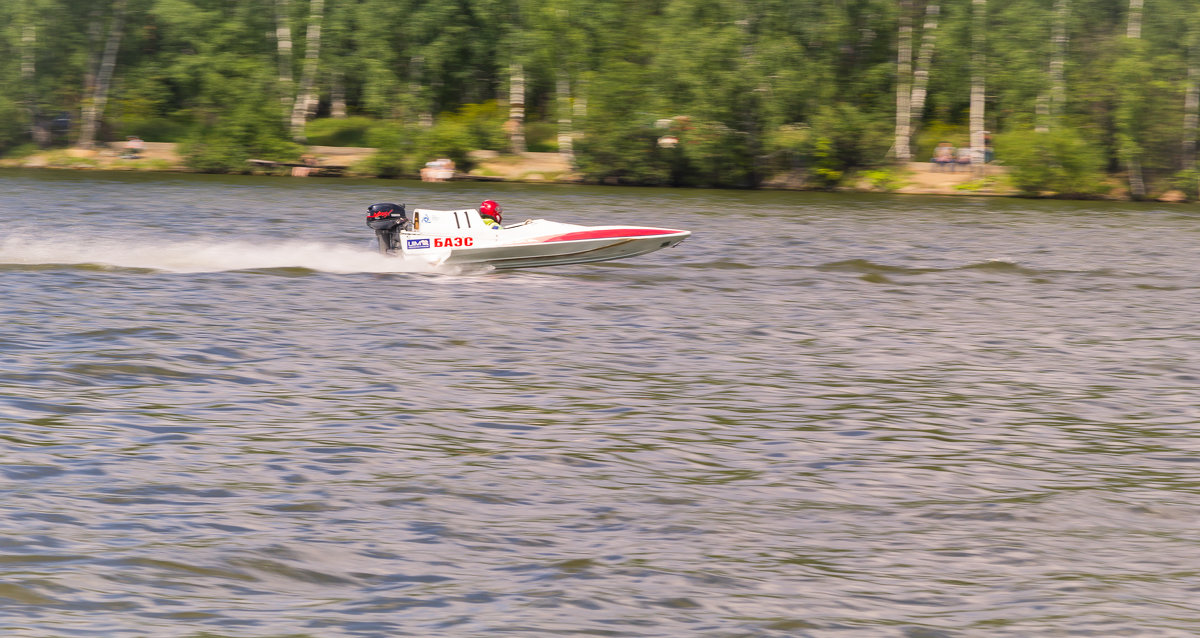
(417, 243)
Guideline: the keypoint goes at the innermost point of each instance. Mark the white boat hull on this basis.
(461, 238)
(564, 252)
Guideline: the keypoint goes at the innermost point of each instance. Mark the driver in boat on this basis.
(490, 212)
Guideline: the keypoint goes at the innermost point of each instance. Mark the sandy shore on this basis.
(917, 178)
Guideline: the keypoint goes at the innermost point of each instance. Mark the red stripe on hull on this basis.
(606, 233)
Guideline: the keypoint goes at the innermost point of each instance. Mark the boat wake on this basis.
(204, 256)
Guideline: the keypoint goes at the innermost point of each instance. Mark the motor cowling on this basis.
(385, 216)
(387, 220)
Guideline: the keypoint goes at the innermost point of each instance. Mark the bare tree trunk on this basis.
(283, 43)
(924, 59)
(579, 109)
(337, 97)
(37, 130)
(93, 109)
(306, 100)
(95, 30)
(1191, 114)
(978, 61)
(28, 63)
(1041, 111)
(1058, 60)
(516, 112)
(566, 146)
(1134, 30)
(1050, 103)
(414, 101)
(1191, 100)
(1137, 186)
(902, 145)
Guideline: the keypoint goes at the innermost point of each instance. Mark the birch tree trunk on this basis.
(337, 96)
(902, 145)
(1137, 186)
(978, 61)
(1134, 30)
(1191, 104)
(1050, 103)
(579, 109)
(516, 111)
(37, 131)
(924, 59)
(1191, 113)
(28, 63)
(95, 31)
(93, 109)
(1191, 99)
(566, 146)
(306, 100)
(415, 100)
(1041, 112)
(283, 43)
(1058, 60)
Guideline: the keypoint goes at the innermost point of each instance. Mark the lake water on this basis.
(221, 414)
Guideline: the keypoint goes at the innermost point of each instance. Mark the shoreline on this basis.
(913, 178)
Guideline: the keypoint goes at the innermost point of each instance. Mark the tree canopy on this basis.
(682, 92)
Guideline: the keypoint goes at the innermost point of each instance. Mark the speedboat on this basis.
(464, 237)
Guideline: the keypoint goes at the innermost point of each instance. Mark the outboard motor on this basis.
(388, 220)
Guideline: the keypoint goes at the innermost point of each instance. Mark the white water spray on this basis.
(205, 256)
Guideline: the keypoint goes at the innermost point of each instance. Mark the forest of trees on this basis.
(1074, 94)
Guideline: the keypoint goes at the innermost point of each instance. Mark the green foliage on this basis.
(975, 185)
(20, 150)
(449, 137)
(142, 108)
(937, 132)
(1060, 161)
(542, 137)
(621, 143)
(839, 139)
(404, 148)
(804, 87)
(789, 147)
(176, 128)
(393, 157)
(623, 155)
(484, 124)
(883, 179)
(1188, 182)
(715, 155)
(252, 131)
(349, 131)
(455, 134)
(854, 137)
(12, 132)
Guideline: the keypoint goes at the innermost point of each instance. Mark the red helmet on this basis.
(491, 209)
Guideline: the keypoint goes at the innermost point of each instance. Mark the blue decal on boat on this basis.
(417, 243)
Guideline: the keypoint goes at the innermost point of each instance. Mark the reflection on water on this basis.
(821, 415)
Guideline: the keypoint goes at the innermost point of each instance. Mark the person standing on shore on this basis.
(943, 156)
(133, 147)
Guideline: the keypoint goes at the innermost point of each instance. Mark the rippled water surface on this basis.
(221, 414)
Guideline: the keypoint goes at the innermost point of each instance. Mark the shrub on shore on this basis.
(1060, 161)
